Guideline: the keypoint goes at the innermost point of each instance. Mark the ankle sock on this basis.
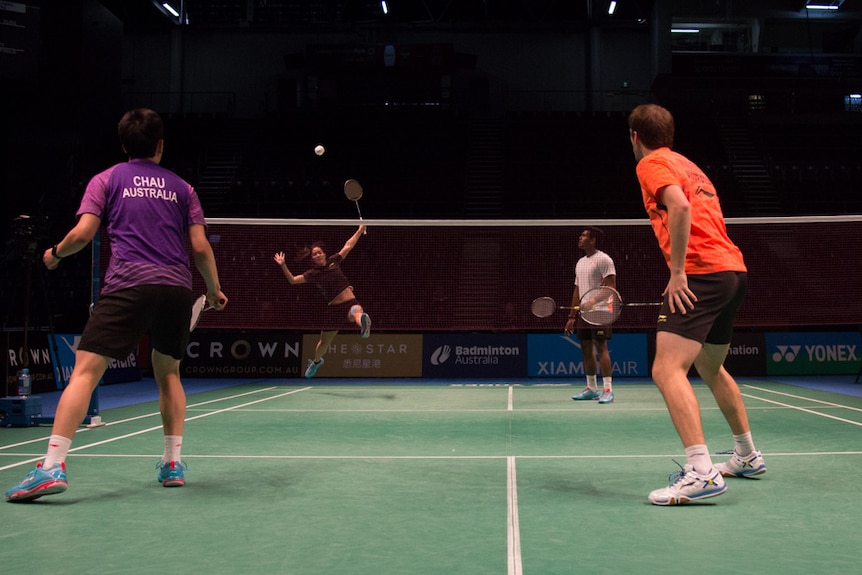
(743, 444)
(173, 447)
(698, 457)
(58, 448)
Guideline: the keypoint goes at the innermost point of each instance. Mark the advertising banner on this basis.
(382, 355)
(119, 371)
(37, 360)
(813, 353)
(747, 354)
(243, 354)
(558, 355)
(475, 355)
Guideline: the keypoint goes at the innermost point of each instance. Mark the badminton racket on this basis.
(353, 192)
(546, 306)
(598, 306)
(198, 308)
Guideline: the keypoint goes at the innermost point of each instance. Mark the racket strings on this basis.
(543, 307)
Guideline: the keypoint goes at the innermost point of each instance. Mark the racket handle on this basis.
(359, 212)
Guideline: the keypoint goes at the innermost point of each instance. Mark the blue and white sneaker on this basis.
(171, 473)
(313, 367)
(739, 466)
(607, 396)
(365, 319)
(586, 394)
(689, 485)
(40, 482)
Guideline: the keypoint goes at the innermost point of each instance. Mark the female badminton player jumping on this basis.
(341, 303)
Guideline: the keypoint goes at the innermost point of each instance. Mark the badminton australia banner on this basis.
(474, 355)
(552, 355)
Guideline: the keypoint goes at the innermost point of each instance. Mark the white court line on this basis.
(271, 457)
(811, 411)
(128, 419)
(794, 396)
(158, 427)
(511, 405)
(513, 524)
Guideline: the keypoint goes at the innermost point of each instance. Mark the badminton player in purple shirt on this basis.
(150, 214)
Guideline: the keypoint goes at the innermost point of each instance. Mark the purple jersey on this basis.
(148, 210)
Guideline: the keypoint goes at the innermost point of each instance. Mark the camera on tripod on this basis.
(30, 231)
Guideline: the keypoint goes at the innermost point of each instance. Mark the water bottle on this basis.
(24, 384)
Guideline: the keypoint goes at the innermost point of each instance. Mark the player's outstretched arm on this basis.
(349, 244)
(292, 279)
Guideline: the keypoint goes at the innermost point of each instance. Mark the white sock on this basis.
(698, 457)
(743, 443)
(607, 382)
(58, 448)
(591, 382)
(173, 446)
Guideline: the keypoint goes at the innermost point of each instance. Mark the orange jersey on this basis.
(709, 248)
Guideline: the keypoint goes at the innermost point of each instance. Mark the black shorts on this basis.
(719, 297)
(121, 318)
(595, 333)
(337, 316)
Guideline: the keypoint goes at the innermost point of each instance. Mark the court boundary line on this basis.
(805, 410)
(794, 396)
(137, 417)
(440, 457)
(158, 427)
(513, 526)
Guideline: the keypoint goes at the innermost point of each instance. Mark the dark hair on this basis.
(595, 233)
(653, 124)
(140, 131)
(303, 252)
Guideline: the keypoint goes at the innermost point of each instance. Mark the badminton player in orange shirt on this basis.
(707, 285)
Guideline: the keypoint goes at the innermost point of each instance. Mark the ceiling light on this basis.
(823, 5)
(612, 7)
(171, 9)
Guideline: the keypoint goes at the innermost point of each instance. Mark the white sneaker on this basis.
(739, 466)
(689, 485)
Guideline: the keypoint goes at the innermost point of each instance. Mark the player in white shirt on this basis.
(594, 269)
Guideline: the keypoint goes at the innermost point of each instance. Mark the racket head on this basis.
(543, 306)
(197, 309)
(353, 190)
(601, 306)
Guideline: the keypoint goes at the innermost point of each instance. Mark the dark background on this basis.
(452, 109)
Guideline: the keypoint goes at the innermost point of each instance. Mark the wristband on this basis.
(54, 252)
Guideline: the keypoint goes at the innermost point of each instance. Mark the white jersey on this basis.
(591, 270)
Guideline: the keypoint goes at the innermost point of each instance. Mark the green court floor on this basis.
(439, 479)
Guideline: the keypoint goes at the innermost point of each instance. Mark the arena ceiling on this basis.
(463, 14)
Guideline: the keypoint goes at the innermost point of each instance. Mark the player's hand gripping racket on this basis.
(198, 308)
(353, 192)
(599, 306)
